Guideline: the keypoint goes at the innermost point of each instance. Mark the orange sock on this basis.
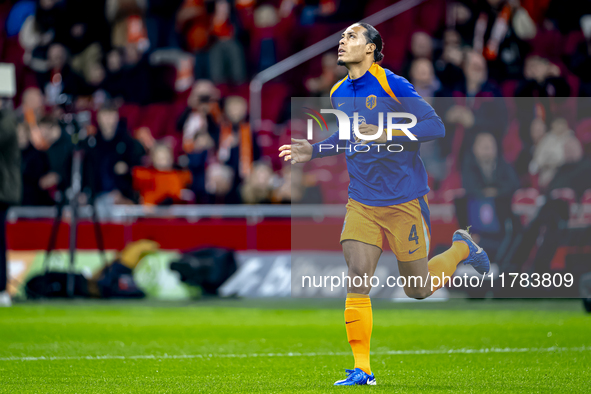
(444, 264)
(358, 323)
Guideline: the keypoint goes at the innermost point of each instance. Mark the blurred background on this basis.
(154, 125)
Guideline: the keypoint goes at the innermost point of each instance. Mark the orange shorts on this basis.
(406, 227)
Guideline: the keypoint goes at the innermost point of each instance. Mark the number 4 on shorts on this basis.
(413, 234)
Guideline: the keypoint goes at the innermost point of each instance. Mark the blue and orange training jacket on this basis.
(382, 178)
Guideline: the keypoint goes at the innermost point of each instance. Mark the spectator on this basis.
(193, 20)
(59, 77)
(537, 133)
(477, 110)
(136, 82)
(200, 120)
(271, 33)
(423, 78)
(238, 146)
(549, 154)
(258, 187)
(37, 180)
(219, 183)
(160, 23)
(162, 184)
(485, 173)
(421, 47)
(541, 79)
(448, 66)
(59, 150)
(575, 172)
(114, 76)
(10, 188)
(111, 156)
(297, 188)
(226, 56)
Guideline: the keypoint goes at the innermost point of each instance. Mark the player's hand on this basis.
(370, 129)
(300, 151)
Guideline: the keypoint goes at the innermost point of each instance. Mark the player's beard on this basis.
(340, 63)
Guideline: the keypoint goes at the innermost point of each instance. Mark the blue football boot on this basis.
(478, 257)
(357, 377)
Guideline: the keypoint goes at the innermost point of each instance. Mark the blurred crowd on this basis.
(159, 90)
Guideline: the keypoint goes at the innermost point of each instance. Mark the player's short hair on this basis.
(372, 36)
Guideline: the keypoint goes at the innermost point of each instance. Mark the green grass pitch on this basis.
(292, 346)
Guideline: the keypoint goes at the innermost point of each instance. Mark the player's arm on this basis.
(429, 125)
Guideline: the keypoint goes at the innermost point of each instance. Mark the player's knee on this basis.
(417, 292)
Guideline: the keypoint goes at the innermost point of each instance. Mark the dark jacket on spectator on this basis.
(103, 156)
(60, 159)
(10, 157)
(488, 107)
(576, 176)
(503, 178)
(34, 165)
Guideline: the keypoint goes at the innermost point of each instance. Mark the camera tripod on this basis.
(72, 196)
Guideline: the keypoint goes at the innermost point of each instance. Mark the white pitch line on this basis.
(380, 353)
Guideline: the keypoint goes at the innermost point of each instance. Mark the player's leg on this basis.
(423, 276)
(362, 260)
(361, 239)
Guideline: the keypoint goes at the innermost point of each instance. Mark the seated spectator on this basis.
(421, 47)
(226, 56)
(270, 32)
(477, 111)
(258, 187)
(58, 76)
(160, 23)
(297, 188)
(161, 184)
(136, 83)
(448, 66)
(537, 133)
(541, 79)
(38, 182)
(237, 147)
(202, 116)
(575, 173)
(549, 154)
(485, 173)
(114, 78)
(111, 156)
(423, 78)
(219, 184)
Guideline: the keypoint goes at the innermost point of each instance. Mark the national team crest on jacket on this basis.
(371, 101)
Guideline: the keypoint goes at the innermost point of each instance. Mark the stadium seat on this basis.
(156, 117)
(512, 144)
(274, 97)
(528, 196)
(565, 194)
(132, 113)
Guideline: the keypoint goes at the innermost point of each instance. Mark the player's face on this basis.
(353, 47)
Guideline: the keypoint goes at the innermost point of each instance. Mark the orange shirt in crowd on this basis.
(155, 186)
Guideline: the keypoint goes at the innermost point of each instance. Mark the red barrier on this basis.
(267, 235)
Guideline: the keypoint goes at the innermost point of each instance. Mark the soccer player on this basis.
(387, 189)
